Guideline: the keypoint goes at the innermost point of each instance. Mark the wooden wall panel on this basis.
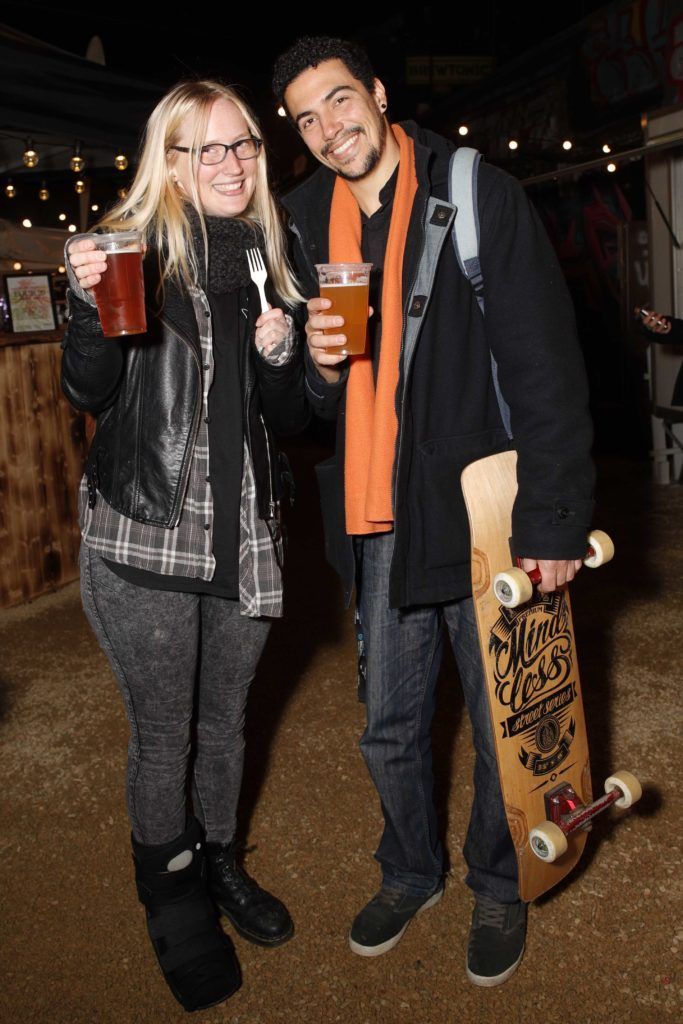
(42, 452)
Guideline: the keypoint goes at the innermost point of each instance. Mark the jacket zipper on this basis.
(185, 468)
(272, 504)
(404, 319)
(403, 395)
(401, 427)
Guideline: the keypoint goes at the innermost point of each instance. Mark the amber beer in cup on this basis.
(120, 295)
(346, 285)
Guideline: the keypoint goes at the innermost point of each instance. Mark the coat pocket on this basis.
(441, 512)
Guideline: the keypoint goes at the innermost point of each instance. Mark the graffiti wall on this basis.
(635, 49)
(583, 223)
(625, 60)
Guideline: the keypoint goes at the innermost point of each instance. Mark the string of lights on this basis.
(567, 145)
(75, 163)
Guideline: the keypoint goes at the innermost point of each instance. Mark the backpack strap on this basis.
(462, 193)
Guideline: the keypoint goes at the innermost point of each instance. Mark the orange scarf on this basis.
(371, 424)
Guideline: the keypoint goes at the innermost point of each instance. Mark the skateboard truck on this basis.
(567, 814)
(515, 586)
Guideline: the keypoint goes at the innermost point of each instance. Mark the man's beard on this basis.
(371, 160)
(372, 157)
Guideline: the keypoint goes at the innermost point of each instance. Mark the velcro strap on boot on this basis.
(186, 918)
(189, 949)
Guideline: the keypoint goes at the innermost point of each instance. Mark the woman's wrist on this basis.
(277, 353)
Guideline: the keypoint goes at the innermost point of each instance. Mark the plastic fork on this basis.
(259, 274)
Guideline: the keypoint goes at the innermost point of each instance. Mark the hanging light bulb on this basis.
(463, 130)
(122, 193)
(513, 144)
(607, 148)
(26, 223)
(95, 207)
(61, 269)
(62, 216)
(44, 193)
(73, 229)
(30, 155)
(77, 163)
(17, 265)
(10, 190)
(567, 144)
(79, 186)
(281, 112)
(611, 168)
(120, 161)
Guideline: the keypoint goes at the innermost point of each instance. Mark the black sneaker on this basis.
(381, 924)
(496, 943)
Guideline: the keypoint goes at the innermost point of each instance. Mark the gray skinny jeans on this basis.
(179, 660)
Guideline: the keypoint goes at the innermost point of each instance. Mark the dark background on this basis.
(239, 43)
(586, 70)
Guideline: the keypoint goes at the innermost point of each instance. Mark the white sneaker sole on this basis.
(497, 979)
(384, 947)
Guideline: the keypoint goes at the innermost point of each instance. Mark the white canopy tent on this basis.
(34, 248)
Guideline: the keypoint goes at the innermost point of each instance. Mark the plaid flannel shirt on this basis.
(186, 549)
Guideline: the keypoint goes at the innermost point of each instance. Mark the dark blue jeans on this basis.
(403, 650)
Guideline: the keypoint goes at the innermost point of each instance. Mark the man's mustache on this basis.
(329, 146)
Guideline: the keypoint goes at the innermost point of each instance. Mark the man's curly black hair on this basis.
(309, 51)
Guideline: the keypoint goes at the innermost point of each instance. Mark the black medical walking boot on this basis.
(257, 916)
(196, 957)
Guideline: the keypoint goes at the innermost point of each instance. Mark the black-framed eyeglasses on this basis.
(216, 152)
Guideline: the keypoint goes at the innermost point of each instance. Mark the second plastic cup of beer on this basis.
(347, 285)
(120, 295)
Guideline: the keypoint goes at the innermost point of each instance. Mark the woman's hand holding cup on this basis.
(88, 262)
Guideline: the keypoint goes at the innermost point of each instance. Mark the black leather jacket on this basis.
(146, 392)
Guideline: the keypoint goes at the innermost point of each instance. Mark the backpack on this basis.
(462, 193)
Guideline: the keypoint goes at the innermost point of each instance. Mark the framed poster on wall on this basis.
(30, 302)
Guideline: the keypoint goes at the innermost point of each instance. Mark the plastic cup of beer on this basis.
(120, 295)
(347, 285)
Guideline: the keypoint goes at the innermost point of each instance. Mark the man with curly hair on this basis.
(421, 405)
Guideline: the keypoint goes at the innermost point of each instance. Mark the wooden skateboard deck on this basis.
(532, 679)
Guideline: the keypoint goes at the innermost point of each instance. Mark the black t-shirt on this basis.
(374, 236)
(226, 437)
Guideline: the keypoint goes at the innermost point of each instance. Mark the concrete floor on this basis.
(603, 947)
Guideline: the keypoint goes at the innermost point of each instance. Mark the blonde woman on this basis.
(180, 513)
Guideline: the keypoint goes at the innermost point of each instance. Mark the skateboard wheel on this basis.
(601, 549)
(629, 786)
(548, 841)
(512, 587)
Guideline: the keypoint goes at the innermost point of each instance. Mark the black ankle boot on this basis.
(256, 915)
(197, 958)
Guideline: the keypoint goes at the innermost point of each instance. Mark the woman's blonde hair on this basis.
(156, 208)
